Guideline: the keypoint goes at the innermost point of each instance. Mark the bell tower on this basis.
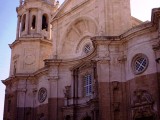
(33, 39)
(32, 46)
(34, 18)
(117, 16)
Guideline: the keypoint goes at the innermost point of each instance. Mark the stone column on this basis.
(49, 28)
(54, 37)
(21, 103)
(102, 24)
(103, 60)
(103, 72)
(39, 21)
(18, 27)
(53, 98)
(27, 22)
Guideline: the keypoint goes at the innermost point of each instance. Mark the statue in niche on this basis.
(67, 91)
(142, 106)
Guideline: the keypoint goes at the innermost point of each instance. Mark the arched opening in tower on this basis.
(23, 22)
(33, 22)
(45, 22)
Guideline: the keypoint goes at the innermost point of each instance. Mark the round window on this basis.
(42, 95)
(87, 48)
(139, 63)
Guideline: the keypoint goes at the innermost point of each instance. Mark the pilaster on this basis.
(27, 22)
(18, 27)
(118, 17)
(39, 21)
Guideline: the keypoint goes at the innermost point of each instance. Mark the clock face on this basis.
(42, 95)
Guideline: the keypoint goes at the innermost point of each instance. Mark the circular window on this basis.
(87, 48)
(42, 95)
(139, 63)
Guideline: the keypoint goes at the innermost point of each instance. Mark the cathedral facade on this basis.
(83, 60)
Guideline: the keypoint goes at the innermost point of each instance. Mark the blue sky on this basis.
(141, 9)
(7, 35)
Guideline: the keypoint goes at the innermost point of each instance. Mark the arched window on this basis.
(33, 22)
(23, 22)
(45, 22)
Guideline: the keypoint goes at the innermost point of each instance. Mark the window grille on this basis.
(88, 85)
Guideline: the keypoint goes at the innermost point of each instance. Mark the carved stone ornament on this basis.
(67, 91)
(115, 85)
(15, 56)
(30, 59)
(156, 46)
(142, 97)
(42, 95)
(86, 117)
(42, 116)
(34, 91)
(142, 105)
(116, 106)
(122, 58)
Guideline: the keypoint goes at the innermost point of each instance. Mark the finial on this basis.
(20, 2)
(57, 4)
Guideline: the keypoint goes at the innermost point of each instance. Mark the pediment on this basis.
(68, 6)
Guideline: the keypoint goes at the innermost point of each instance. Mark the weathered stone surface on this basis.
(77, 62)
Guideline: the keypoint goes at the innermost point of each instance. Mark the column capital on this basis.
(105, 59)
(53, 78)
(122, 58)
(156, 46)
(21, 90)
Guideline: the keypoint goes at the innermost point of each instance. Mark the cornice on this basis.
(70, 62)
(17, 77)
(141, 29)
(102, 40)
(21, 40)
(145, 27)
(40, 72)
(26, 5)
(25, 76)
